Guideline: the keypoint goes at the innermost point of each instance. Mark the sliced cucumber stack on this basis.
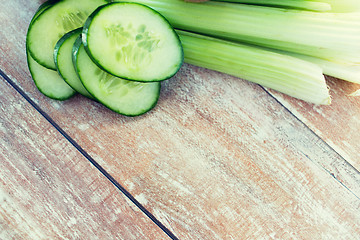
(132, 41)
(64, 64)
(126, 97)
(53, 23)
(115, 53)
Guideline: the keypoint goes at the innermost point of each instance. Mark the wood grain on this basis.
(337, 124)
(207, 171)
(219, 157)
(48, 190)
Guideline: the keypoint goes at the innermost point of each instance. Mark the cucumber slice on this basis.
(128, 98)
(64, 63)
(56, 20)
(132, 41)
(48, 81)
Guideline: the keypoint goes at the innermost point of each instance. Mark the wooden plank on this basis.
(218, 158)
(337, 124)
(48, 190)
(207, 171)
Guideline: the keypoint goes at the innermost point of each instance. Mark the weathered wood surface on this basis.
(338, 124)
(48, 190)
(218, 158)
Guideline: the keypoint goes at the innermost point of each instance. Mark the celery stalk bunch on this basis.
(315, 37)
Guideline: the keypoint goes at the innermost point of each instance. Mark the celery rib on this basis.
(257, 65)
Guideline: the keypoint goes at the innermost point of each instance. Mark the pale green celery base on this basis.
(292, 76)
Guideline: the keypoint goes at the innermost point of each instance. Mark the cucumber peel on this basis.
(64, 64)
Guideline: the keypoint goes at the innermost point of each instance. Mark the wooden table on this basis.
(218, 158)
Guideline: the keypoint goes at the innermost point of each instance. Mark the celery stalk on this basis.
(331, 36)
(286, 74)
(296, 4)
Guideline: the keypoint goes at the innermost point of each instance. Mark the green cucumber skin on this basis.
(75, 50)
(87, 48)
(62, 40)
(52, 4)
(72, 82)
(78, 43)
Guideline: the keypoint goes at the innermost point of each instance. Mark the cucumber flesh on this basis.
(64, 63)
(56, 20)
(128, 98)
(48, 81)
(132, 41)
